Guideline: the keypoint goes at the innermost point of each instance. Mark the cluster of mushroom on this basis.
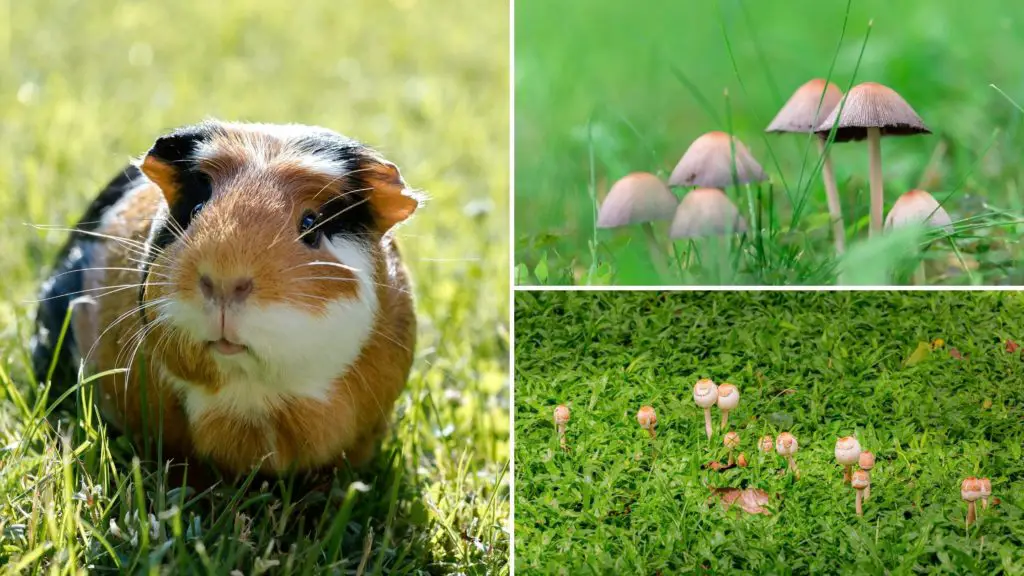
(715, 161)
(848, 453)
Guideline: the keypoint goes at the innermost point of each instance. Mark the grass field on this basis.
(628, 86)
(85, 86)
(821, 365)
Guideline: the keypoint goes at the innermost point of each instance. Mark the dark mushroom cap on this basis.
(708, 163)
(872, 105)
(636, 198)
(807, 107)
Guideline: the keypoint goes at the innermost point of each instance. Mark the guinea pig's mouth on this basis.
(227, 347)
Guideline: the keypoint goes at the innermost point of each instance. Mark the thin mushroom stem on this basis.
(971, 515)
(835, 208)
(860, 506)
(725, 419)
(707, 421)
(846, 474)
(877, 195)
(650, 430)
(658, 253)
(867, 493)
(792, 466)
(984, 503)
(561, 435)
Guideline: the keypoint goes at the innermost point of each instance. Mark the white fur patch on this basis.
(295, 353)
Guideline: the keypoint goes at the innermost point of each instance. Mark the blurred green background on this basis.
(85, 85)
(612, 63)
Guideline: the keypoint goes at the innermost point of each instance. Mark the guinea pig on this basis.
(246, 281)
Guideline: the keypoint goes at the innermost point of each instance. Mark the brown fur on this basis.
(257, 239)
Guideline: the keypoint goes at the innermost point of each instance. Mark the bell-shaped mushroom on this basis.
(866, 462)
(786, 445)
(705, 394)
(803, 113)
(731, 441)
(847, 454)
(561, 421)
(861, 481)
(706, 212)
(728, 400)
(708, 162)
(970, 491)
(639, 198)
(918, 207)
(986, 491)
(647, 419)
(767, 444)
(871, 110)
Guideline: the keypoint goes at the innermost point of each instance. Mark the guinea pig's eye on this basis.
(306, 224)
(197, 209)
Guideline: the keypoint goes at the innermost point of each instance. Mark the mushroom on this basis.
(871, 110)
(647, 419)
(786, 445)
(708, 162)
(732, 442)
(728, 399)
(986, 491)
(639, 198)
(705, 394)
(970, 491)
(706, 212)
(847, 454)
(561, 419)
(861, 481)
(802, 113)
(918, 207)
(767, 444)
(867, 462)
(741, 460)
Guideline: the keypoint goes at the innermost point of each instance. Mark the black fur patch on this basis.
(350, 212)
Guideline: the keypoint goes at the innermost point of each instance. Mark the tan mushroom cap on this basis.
(786, 444)
(767, 443)
(705, 393)
(918, 207)
(708, 162)
(985, 487)
(561, 414)
(646, 417)
(706, 212)
(728, 396)
(872, 105)
(636, 198)
(807, 107)
(731, 440)
(970, 489)
(866, 460)
(847, 450)
(861, 479)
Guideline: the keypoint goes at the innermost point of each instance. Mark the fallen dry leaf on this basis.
(1011, 346)
(750, 500)
(956, 354)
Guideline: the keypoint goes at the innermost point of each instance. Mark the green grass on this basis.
(628, 86)
(85, 86)
(821, 365)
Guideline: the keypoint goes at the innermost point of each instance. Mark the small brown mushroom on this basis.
(741, 460)
(786, 445)
(861, 481)
(847, 454)
(561, 420)
(706, 212)
(732, 442)
(871, 110)
(970, 491)
(867, 462)
(767, 444)
(918, 207)
(986, 491)
(728, 400)
(647, 419)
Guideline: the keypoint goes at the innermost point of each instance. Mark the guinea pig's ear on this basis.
(391, 200)
(172, 158)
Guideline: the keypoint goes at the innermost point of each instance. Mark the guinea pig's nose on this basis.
(234, 289)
